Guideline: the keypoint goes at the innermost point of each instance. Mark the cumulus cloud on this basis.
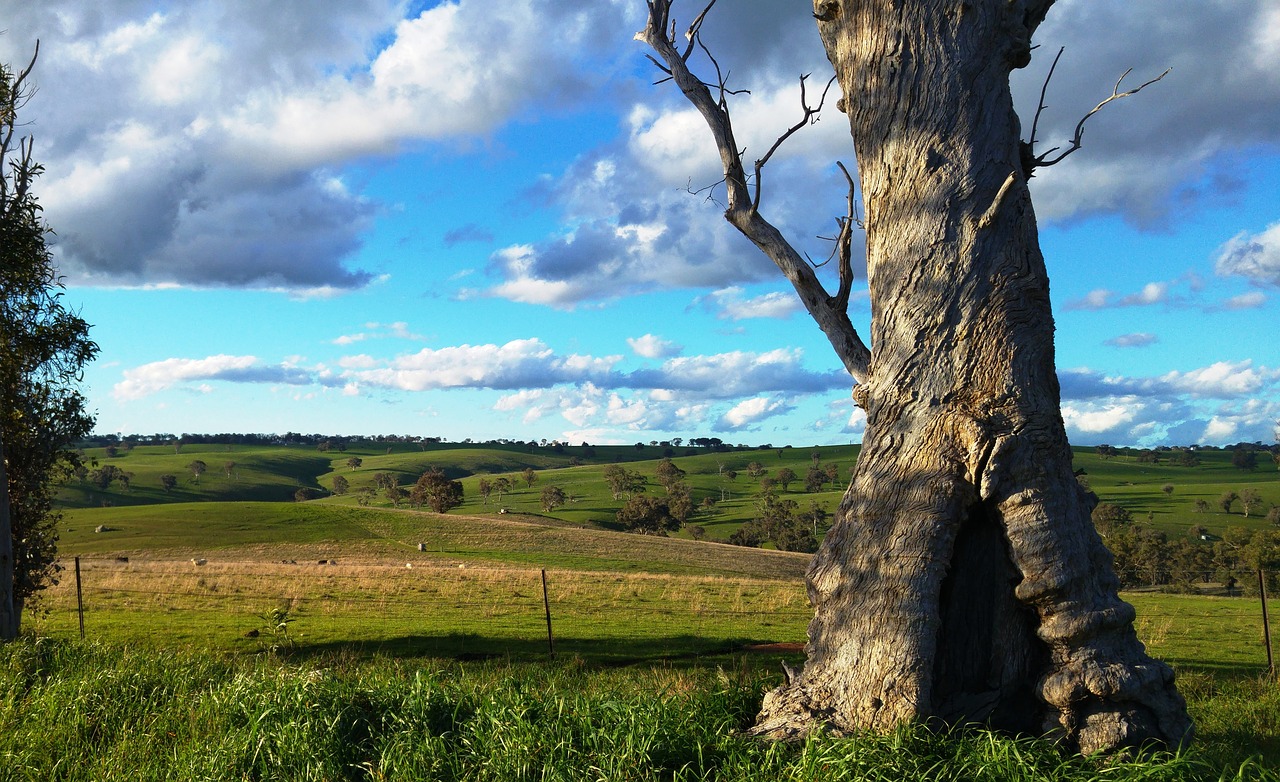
(517, 364)
(650, 346)
(1220, 380)
(733, 304)
(1154, 155)
(1254, 256)
(1215, 404)
(161, 375)
(750, 412)
(1101, 298)
(1251, 300)
(185, 146)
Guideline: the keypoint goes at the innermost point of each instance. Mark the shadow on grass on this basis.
(604, 653)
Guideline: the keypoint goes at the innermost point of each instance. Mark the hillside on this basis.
(237, 473)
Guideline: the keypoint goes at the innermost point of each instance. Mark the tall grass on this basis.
(73, 711)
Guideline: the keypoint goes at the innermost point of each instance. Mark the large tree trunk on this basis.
(963, 579)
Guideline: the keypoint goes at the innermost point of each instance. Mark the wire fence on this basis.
(456, 608)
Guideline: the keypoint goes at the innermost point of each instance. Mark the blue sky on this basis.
(470, 219)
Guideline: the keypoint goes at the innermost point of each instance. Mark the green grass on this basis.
(274, 473)
(73, 711)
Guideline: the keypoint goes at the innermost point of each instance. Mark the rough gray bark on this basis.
(963, 580)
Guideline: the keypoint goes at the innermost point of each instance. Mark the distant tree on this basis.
(502, 484)
(623, 481)
(323, 446)
(755, 469)
(306, 493)
(168, 481)
(1202, 506)
(112, 451)
(786, 476)
(816, 515)
(102, 478)
(553, 497)
(485, 488)
(1187, 458)
(340, 485)
(395, 493)
(668, 474)
(384, 480)
(435, 489)
(1106, 451)
(1273, 515)
(833, 474)
(1249, 499)
(530, 476)
(815, 479)
(365, 495)
(680, 501)
(354, 462)
(647, 514)
(1107, 516)
(1167, 489)
(1225, 500)
(229, 468)
(1245, 459)
(197, 469)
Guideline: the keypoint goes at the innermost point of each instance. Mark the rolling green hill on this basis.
(274, 473)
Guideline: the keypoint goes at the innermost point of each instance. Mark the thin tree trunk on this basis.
(9, 608)
(963, 579)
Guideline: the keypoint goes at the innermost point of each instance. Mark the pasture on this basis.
(419, 648)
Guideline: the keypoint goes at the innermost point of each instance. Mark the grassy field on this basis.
(72, 711)
(274, 474)
(419, 650)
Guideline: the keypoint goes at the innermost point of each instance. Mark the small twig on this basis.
(809, 113)
(1044, 88)
(1044, 160)
(844, 245)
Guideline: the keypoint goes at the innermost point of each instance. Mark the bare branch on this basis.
(844, 243)
(743, 209)
(1043, 89)
(1044, 160)
(16, 96)
(808, 118)
(694, 29)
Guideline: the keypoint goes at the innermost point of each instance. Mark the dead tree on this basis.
(962, 580)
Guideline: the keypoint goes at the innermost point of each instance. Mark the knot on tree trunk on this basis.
(826, 10)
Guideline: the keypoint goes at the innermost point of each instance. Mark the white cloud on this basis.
(732, 303)
(650, 346)
(159, 376)
(516, 364)
(184, 145)
(1255, 256)
(1246, 301)
(750, 412)
(1151, 293)
(1139, 339)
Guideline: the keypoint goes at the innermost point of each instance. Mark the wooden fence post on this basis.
(79, 599)
(1266, 623)
(546, 603)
